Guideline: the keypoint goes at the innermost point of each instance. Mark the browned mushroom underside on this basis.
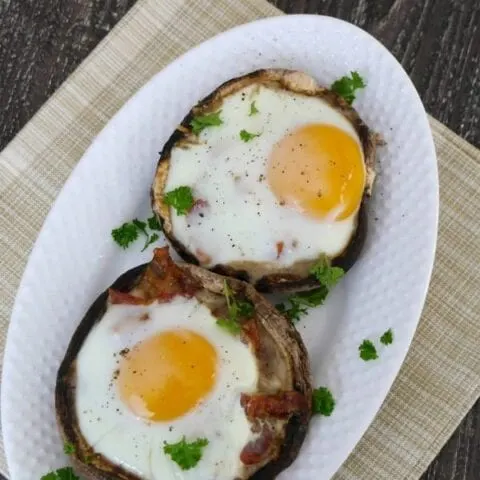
(267, 276)
(283, 387)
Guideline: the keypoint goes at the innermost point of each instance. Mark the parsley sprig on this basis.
(186, 454)
(201, 122)
(153, 223)
(127, 233)
(325, 274)
(323, 402)
(65, 473)
(153, 238)
(387, 337)
(230, 325)
(367, 351)
(181, 199)
(346, 86)
(299, 303)
(247, 136)
(237, 309)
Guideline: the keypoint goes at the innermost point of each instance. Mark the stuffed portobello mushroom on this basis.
(177, 372)
(265, 176)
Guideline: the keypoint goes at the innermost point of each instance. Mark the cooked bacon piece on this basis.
(199, 203)
(250, 331)
(123, 298)
(280, 246)
(280, 405)
(116, 297)
(259, 449)
(163, 278)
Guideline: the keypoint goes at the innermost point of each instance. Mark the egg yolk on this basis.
(167, 375)
(319, 169)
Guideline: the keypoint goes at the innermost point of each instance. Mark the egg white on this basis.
(136, 444)
(244, 220)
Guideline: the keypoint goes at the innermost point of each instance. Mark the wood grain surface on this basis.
(437, 42)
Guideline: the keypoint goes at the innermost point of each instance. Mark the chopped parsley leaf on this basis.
(65, 473)
(387, 337)
(346, 86)
(368, 351)
(300, 301)
(323, 401)
(68, 448)
(292, 312)
(253, 109)
(312, 298)
(181, 199)
(247, 136)
(245, 309)
(325, 274)
(142, 226)
(153, 238)
(203, 121)
(129, 232)
(237, 310)
(153, 223)
(186, 454)
(230, 325)
(126, 234)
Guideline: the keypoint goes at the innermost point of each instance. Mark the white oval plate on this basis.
(74, 257)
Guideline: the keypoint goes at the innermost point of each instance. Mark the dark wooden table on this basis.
(437, 42)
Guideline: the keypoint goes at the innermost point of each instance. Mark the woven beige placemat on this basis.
(440, 380)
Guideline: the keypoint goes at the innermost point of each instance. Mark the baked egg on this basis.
(279, 170)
